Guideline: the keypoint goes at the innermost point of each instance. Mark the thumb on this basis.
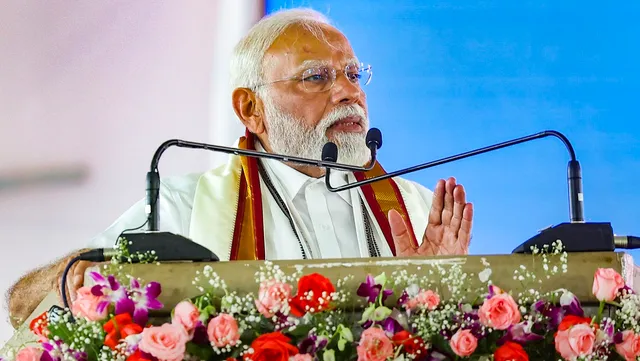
(400, 233)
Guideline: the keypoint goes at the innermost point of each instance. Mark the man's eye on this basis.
(316, 78)
(354, 77)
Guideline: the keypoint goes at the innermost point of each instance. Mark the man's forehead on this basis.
(298, 47)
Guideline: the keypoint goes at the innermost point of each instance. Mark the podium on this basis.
(176, 277)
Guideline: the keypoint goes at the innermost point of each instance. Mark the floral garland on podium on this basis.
(299, 317)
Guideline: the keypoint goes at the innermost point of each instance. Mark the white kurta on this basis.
(330, 225)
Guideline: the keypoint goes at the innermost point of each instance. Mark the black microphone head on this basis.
(374, 136)
(330, 152)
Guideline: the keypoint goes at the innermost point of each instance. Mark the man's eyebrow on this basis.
(353, 61)
(310, 63)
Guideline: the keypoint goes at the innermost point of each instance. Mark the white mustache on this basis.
(342, 112)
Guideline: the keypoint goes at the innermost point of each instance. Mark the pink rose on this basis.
(463, 343)
(86, 305)
(630, 346)
(606, 284)
(223, 330)
(374, 345)
(273, 297)
(29, 354)
(575, 342)
(499, 312)
(166, 343)
(301, 357)
(186, 315)
(427, 299)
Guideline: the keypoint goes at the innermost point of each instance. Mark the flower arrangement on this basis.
(303, 317)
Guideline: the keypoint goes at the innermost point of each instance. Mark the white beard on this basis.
(289, 136)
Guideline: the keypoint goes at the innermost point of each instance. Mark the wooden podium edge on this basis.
(22, 335)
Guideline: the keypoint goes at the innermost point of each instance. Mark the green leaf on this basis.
(341, 344)
(329, 355)
(380, 279)
(381, 313)
(367, 313)
(202, 352)
(345, 333)
(301, 331)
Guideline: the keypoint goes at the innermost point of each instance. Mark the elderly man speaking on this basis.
(297, 85)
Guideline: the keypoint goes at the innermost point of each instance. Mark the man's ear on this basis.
(249, 109)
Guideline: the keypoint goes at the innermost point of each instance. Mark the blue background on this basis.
(453, 76)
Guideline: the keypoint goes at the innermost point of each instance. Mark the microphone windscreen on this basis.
(374, 135)
(330, 152)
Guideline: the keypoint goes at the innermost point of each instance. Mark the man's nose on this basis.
(345, 91)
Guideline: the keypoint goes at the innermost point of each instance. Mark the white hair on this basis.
(247, 60)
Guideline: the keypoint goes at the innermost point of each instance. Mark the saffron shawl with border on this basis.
(227, 214)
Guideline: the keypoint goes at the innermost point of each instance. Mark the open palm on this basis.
(448, 230)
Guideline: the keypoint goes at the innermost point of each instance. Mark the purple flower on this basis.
(571, 305)
(371, 290)
(53, 352)
(494, 290)
(618, 338)
(200, 336)
(113, 292)
(627, 290)
(311, 345)
(470, 321)
(553, 313)
(390, 326)
(608, 327)
(403, 298)
(144, 299)
(520, 333)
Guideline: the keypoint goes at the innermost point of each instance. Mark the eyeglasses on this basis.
(322, 78)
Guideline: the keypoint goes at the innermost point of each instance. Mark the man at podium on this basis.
(297, 84)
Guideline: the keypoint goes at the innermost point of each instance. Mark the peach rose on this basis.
(186, 314)
(86, 305)
(575, 342)
(606, 284)
(166, 343)
(272, 297)
(223, 330)
(301, 357)
(630, 346)
(374, 345)
(499, 312)
(463, 343)
(29, 354)
(427, 299)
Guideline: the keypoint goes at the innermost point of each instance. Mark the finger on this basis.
(458, 206)
(435, 214)
(464, 235)
(447, 212)
(400, 233)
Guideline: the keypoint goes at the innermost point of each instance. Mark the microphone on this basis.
(576, 236)
(164, 246)
(373, 141)
(170, 249)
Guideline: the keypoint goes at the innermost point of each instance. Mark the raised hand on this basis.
(448, 230)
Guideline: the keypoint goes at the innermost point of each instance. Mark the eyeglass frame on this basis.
(334, 77)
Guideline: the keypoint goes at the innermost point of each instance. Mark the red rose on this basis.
(510, 351)
(139, 356)
(119, 327)
(314, 295)
(571, 320)
(40, 327)
(272, 346)
(410, 344)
